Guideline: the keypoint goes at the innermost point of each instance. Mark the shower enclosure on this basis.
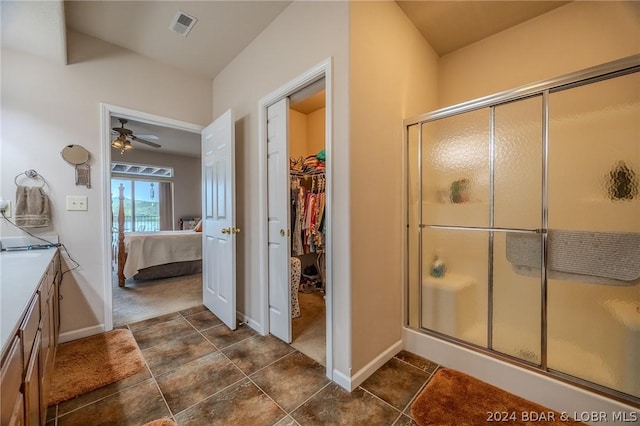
(524, 226)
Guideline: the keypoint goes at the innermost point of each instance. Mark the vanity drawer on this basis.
(29, 328)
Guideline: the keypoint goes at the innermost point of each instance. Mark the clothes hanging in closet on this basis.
(307, 214)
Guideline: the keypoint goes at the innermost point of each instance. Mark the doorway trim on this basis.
(323, 69)
(106, 110)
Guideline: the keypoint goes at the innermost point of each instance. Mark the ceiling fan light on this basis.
(126, 145)
(117, 143)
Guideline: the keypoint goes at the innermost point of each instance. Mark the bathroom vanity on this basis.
(29, 329)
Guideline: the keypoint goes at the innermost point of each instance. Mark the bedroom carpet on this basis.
(309, 329)
(87, 364)
(452, 397)
(140, 300)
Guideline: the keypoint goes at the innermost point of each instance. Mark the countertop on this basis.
(20, 274)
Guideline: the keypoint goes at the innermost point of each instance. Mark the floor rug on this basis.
(87, 364)
(454, 398)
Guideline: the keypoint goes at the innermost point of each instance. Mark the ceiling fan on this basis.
(125, 136)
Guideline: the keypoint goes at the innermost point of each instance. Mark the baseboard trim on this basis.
(342, 380)
(80, 333)
(350, 383)
(362, 374)
(255, 325)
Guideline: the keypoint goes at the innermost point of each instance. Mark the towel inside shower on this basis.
(600, 257)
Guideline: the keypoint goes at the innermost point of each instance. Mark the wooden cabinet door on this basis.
(10, 382)
(17, 416)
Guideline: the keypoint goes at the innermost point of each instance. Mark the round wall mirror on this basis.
(75, 154)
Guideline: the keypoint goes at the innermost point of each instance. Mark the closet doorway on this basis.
(297, 252)
(307, 184)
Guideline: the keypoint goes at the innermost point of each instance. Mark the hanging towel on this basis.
(32, 207)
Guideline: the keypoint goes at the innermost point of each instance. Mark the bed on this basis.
(154, 255)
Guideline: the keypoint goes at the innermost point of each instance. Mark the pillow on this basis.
(198, 227)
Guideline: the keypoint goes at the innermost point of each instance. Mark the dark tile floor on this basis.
(199, 372)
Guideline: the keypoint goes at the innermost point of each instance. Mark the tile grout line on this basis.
(273, 362)
(155, 381)
(153, 376)
(311, 397)
(380, 399)
(269, 396)
(414, 366)
(245, 376)
(415, 396)
(212, 395)
(263, 391)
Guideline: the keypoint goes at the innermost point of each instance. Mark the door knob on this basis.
(226, 230)
(282, 232)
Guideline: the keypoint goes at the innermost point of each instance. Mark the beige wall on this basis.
(570, 38)
(392, 77)
(316, 131)
(297, 134)
(306, 133)
(187, 192)
(272, 60)
(46, 106)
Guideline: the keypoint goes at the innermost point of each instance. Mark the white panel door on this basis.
(218, 219)
(278, 213)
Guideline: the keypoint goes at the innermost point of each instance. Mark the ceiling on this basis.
(223, 29)
(450, 25)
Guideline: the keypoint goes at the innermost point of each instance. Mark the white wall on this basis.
(304, 35)
(46, 106)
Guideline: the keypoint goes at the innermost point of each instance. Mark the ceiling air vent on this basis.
(182, 23)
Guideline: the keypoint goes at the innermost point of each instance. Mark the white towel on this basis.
(32, 207)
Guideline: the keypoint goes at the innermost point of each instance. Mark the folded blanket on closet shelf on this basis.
(599, 257)
(32, 207)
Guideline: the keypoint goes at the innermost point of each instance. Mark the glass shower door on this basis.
(517, 211)
(594, 233)
(455, 178)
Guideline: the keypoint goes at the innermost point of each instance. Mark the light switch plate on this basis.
(77, 202)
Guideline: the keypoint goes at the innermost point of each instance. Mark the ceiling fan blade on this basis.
(147, 136)
(153, 144)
